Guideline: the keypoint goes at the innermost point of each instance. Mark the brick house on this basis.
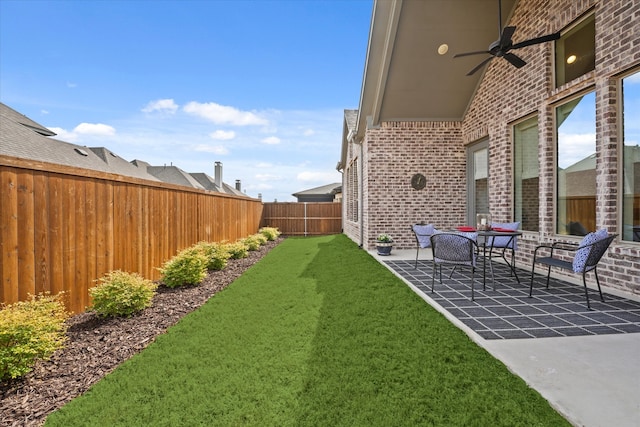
(553, 144)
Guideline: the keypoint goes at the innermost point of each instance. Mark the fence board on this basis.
(303, 219)
(62, 227)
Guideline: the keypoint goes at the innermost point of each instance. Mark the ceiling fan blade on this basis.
(537, 40)
(515, 60)
(480, 65)
(505, 37)
(478, 52)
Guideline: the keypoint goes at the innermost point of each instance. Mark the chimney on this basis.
(218, 175)
(238, 186)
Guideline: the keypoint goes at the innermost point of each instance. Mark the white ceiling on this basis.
(405, 77)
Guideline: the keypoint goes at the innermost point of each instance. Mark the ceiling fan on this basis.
(501, 48)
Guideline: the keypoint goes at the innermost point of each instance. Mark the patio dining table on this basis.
(486, 234)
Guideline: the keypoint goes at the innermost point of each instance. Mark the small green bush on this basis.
(237, 250)
(271, 233)
(254, 241)
(188, 267)
(29, 331)
(215, 253)
(122, 294)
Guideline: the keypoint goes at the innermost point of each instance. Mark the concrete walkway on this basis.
(593, 381)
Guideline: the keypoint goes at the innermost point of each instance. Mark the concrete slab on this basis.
(593, 381)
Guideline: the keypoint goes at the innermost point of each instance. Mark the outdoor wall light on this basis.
(443, 48)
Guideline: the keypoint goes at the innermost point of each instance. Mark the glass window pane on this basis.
(481, 182)
(527, 192)
(631, 156)
(576, 165)
(575, 51)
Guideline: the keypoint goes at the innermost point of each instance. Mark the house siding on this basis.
(395, 151)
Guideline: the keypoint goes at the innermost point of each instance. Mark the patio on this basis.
(508, 312)
(584, 362)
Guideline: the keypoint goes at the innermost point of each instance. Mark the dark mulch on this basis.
(96, 346)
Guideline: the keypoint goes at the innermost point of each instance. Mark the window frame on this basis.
(512, 127)
(554, 107)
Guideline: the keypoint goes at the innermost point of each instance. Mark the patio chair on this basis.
(502, 246)
(587, 255)
(456, 250)
(422, 233)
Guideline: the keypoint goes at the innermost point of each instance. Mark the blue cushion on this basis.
(580, 258)
(423, 233)
(506, 241)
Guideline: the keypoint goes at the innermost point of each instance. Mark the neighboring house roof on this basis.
(174, 175)
(328, 189)
(29, 142)
(419, 84)
(11, 114)
(206, 181)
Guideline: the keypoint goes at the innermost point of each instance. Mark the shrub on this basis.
(29, 331)
(215, 254)
(237, 250)
(122, 294)
(254, 242)
(188, 267)
(271, 233)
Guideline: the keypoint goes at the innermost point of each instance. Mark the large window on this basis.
(477, 180)
(631, 157)
(576, 166)
(526, 184)
(576, 51)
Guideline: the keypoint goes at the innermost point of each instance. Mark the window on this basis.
(527, 193)
(576, 52)
(576, 166)
(353, 191)
(631, 157)
(477, 180)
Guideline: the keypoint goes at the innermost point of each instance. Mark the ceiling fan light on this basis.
(571, 59)
(443, 48)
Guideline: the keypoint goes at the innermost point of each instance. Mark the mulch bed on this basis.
(96, 346)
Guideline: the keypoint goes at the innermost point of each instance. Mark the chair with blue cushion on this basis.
(499, 246)
(422, 233)
(587, 255)
(453, 249)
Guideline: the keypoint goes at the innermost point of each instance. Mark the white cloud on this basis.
(63, 134)
(215, 149)
(98, 129)
(324, 177)
(161, 105)
(223, 134)
(221, 114)
(71, 85)
(575, 147)
(308, 132)
(271, 140)
(267, 177)
(44, 112)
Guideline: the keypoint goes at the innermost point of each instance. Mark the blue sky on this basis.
(258, 85)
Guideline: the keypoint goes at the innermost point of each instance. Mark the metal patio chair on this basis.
(422, 233)
(456, 250)
(586, 257)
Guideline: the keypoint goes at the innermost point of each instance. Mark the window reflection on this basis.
(631, 157)
(526, 183)
(576, 51)
(576, 166)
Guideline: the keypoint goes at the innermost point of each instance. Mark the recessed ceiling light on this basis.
(571, 59)
(443, 48)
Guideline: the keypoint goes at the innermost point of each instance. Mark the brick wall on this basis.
(395, 151)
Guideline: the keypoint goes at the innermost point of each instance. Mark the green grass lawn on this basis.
(317, 333)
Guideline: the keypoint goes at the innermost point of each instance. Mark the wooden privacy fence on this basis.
(63, 227)
(303, 219)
